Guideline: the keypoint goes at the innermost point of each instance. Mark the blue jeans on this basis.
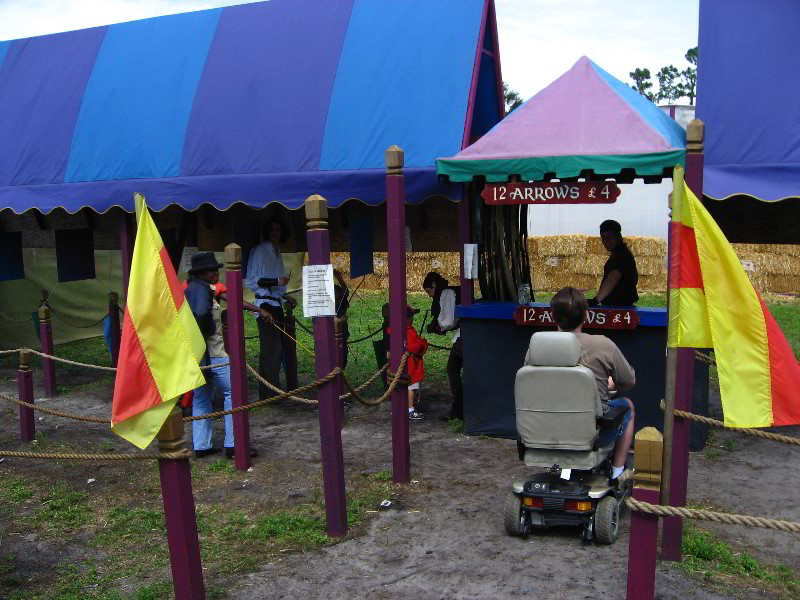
(218, 377)
(612, 435)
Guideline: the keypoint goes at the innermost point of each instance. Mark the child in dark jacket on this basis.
(416, 346)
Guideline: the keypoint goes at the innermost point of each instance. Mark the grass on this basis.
(455, 425)
(704, 554)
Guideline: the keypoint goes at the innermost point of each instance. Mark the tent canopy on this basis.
(586, 120)
(258, 103)
(748, 85)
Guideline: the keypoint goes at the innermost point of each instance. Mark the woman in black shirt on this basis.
(619, 273)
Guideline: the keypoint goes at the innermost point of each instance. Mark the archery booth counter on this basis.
(589, 132)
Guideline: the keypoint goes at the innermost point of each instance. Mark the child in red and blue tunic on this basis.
(416, 346)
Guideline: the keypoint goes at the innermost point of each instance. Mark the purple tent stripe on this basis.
(241, 116)
(41, 91)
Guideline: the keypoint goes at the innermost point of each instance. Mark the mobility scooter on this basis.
(559, 420)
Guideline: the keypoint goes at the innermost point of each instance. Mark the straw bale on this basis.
(652, 283)
(586, 264)
(561, 245)
(595, 246)
(781, 284)
(651, 265)
(646, 246)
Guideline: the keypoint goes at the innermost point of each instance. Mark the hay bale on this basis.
(652, 283)
(781, 284)
(651, 265)
(587, 264)
(561, 245)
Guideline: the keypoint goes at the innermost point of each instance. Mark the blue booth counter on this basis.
(495, 347)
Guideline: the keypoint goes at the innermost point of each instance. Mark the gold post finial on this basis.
(395, 157)
(233, 256)
(648, 458)
(695, 136)
(44, 313)
(317, 212)
(170, 436)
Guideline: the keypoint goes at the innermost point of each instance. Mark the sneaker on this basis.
(416, 415)
(229, 452)
(206, 452)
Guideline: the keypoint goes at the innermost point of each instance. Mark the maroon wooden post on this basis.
(290, 347)
(684, 375)
(338, 334)
(113, 317)
(27, 422)
(127, 236)
(46, 342)
(467, 291)
(241, 420)
(330, 412)
(398, 317)
(643, 543)
(179, 512)
(224, 319)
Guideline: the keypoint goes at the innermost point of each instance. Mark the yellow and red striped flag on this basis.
(713, 304)
(161, 343)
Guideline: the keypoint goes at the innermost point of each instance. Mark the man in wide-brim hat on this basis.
(203, 275)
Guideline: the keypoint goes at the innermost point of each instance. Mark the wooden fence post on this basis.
(684, 377)
(338, 334)
(643, 543)
(330, 412)
(113, 317)
(46, 342)
(237, 357)
(179, 512)
(27, 422)
(398, 317)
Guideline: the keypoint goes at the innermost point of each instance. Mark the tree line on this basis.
(672, 83)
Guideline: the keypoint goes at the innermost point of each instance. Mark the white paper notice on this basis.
(471, 261)
(186, 258)
(318, 299)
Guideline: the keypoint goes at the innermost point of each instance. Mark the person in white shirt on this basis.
(267, 277)
(443, 319)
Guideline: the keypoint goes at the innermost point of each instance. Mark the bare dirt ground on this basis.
(443, 538)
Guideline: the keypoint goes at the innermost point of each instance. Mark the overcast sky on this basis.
(539, 39)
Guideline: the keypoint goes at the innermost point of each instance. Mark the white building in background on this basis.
(641, 208)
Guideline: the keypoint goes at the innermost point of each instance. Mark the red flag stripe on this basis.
(175, 287)
(784, 373)
(134, 377)
(685, 255)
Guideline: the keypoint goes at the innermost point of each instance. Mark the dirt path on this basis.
(443, 538)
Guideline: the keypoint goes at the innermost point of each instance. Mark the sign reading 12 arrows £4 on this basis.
(546, 192)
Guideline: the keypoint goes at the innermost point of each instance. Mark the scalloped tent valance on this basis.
(258, 103)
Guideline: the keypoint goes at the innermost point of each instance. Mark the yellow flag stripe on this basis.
(689, 327)
(140, 429)
(737, 325)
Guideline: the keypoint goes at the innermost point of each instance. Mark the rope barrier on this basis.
(61, 317)
(375, 402)
(709, 515)
(367, 382)
(68, 362)
(14, 351)
(7, 318)
(754, 432)
(109, 456)
(263, 381)
(705, 358)
(366, 337)
(54, 412)
(280, 396)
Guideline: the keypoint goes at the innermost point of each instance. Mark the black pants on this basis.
(455, 363)
(270, 356)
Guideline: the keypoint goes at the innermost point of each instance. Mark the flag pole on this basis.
(672, 314)
(677, 469)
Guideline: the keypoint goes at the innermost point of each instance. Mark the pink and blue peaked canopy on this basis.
(586, 120)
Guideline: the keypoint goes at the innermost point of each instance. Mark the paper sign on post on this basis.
(470, 261)
(318, 299)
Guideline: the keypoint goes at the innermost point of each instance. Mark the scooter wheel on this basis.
(512, 515)
(606, 520)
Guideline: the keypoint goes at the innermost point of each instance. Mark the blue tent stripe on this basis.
(385, 91)
(650, 113)
(3, 51)
(138, 100)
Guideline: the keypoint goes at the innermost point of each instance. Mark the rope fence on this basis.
(106, 456)
(775, 437)
(710, 515)
(705, 358)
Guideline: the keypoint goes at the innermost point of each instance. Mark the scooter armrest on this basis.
(612, 417)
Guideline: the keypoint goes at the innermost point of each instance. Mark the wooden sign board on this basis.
(546, 192)
(596, 318)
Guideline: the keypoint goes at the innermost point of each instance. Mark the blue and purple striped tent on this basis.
(258, 103)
